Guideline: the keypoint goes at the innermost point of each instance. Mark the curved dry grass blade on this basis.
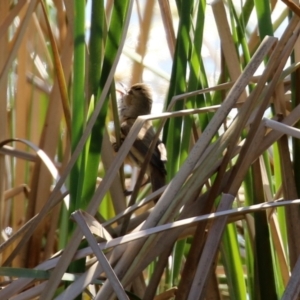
(8, 150)
(53, 171)
(42, 155)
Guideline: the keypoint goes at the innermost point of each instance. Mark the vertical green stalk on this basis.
(197, 78)
(240, 33)
(246, 12)
(96, 46)
(96, 49)
(249, 255)
(78, 116)
(264, 265)
(178, 256)
(263, 12)
(232, 262)
(112, 44)
(173, 129)
(176, 129)
(78, 100)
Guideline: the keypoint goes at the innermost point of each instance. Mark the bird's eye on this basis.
(138, 88)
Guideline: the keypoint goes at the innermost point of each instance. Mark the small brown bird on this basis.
(136, 102)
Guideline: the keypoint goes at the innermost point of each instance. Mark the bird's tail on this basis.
(158, 180)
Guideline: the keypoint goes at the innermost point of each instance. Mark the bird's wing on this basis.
(142, 144)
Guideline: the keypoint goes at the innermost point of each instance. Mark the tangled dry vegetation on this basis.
(217, 230)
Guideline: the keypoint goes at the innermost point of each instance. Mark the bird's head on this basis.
(136, 101)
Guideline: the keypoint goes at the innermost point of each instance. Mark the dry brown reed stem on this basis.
(293, 6)
(289, 192)
(61, 80)
(85, 228)
(145, 19)
(4, 8)
(168, 24)
(227, 43)
(292, 290)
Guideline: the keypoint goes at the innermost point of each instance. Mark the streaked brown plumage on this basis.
(136, 102)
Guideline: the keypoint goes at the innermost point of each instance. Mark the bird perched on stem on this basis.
(136, 102)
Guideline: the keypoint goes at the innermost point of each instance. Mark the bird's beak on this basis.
(121, 88)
